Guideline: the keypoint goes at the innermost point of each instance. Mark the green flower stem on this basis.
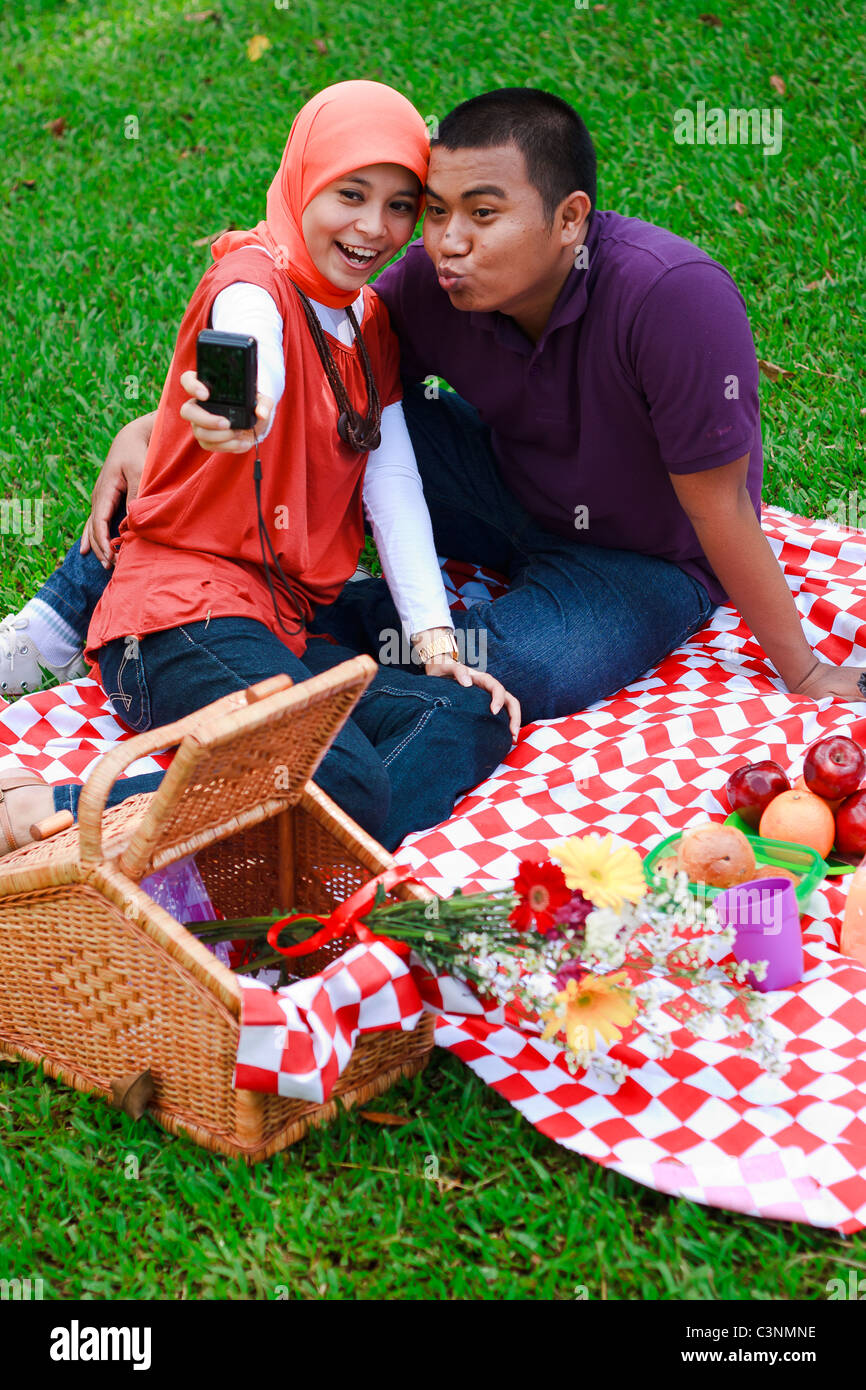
(439, 939)
(405, 920)
(269, 961)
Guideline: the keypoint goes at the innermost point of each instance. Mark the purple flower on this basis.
(575, 912)
(572, 970)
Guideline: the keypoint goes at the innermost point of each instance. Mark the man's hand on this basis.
(720, 509)
(470, 675)
(837, 682)
(212, 431)
(121, 473)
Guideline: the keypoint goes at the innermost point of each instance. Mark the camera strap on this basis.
(263, 538)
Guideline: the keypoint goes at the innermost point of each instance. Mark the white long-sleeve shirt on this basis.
(393, 495)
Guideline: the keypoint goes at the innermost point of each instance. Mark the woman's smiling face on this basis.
(358, 222)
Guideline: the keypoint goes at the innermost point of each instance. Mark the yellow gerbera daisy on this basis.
(605, 872)
(595, 1004)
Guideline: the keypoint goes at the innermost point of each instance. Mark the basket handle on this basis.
(94, 793)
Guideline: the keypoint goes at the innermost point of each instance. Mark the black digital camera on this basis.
(227, 364)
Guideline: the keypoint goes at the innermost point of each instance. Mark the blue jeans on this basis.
(578, 623)
(411, 747)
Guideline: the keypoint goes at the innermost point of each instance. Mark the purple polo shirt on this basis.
(646, 368)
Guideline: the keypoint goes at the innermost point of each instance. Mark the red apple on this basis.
(749, 789)
(800, 786)
(851, 825)
(834, 767)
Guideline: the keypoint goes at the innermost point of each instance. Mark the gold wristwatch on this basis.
(441, 643)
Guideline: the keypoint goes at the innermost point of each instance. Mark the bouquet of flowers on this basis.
(579, 948)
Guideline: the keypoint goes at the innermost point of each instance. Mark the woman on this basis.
(197, 606)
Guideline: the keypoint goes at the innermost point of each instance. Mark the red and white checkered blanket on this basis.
(704, 1123)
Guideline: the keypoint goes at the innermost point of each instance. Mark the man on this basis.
(602, 450)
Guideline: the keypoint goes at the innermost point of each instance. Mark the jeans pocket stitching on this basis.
(433, 701)
(120, 693)
(203, 650)
(144, 720)
(413, 733)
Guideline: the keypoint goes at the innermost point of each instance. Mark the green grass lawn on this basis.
(98, 257)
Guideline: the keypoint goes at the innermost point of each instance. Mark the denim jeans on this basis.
(578, 623)
(411, 747)
(76, 586)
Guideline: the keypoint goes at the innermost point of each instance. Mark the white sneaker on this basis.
(23, 668)
(362, 572)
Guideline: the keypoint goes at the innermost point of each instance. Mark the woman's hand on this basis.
(121, 473)
(212, 431)
(470, 675)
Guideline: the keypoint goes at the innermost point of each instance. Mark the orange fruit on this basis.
(800, 818)
(800, 785)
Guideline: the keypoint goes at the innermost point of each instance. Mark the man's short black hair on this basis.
(555, 143)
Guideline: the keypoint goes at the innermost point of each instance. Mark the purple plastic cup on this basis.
(766, 916)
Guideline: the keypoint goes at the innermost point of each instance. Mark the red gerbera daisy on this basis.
(541, 889)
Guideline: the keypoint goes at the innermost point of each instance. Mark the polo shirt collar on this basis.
(568, 307)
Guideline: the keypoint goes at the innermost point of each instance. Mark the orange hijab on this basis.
(344, 127)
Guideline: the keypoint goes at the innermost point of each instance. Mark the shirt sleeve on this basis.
(694, 360)
(395, 505)
(247, 308)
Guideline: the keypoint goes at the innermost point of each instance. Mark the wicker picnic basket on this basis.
(98, 982)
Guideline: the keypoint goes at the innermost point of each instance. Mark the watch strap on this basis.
(440, 644)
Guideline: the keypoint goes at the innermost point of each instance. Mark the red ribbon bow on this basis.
(345, 918)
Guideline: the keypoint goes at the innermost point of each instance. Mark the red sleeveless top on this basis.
(189, 546)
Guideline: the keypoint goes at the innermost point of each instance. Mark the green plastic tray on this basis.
(835, 863)
(800, 859)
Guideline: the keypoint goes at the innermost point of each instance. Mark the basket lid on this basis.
(240, 767)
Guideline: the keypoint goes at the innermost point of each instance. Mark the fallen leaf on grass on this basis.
(826, 279)
(256, 46)
(739, 207)
(383, 1117)
(199, 16)
(772, 371)
(320, 46)
(133, 1093)
(24, 183)
(207, 240)
(777, 85)
(711, 19)
(57, 127)
(817, 370)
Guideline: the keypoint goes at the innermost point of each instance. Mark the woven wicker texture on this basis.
(236, 766)
(98, 981)
(26, 867)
